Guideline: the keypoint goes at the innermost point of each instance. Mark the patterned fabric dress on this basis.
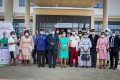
(25, 45)
(102, 45)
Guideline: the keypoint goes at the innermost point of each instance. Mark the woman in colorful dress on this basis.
(64, 53)
(26, 47)
(102, 48)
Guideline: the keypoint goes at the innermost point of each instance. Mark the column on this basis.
(105, 15)
(34, 24)
(27, 14)
(8, 10)
(92, 22)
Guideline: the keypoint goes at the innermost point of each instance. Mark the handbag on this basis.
(20, 57)
(85, 57)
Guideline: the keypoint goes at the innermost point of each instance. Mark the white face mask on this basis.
(13, 36)
(41, 32)
(68, 31)
(57, 31)
(80, 34)
(93, 33)
(26, 34)
(85, 36)
(73, 33)
(113, 34)
(64, 35)
(102, 36)
(53, 32)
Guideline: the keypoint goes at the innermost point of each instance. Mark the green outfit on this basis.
(64, 54)
(4, 42)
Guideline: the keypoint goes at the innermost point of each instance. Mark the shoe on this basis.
(110, 67)
(50, 66)
(39, 65)
(71, 65)
(53, 66)
(114, 68)
(86, 66)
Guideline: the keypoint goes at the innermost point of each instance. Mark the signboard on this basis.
(4, 56)
(4, 53)
(5, 26)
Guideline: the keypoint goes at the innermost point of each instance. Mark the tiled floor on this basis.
(35, 73)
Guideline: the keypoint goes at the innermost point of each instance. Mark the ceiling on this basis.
(65, 3)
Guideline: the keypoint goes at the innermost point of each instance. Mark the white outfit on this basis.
(74, 41)
(11, 47)
(86, 44)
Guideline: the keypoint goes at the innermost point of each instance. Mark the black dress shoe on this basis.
(39, 65)
(53, 66)
(50, 66)
(114, 68)
(111, 68)
(71, 65)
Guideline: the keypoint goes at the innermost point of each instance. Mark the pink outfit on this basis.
(102, 46)
(25, 44)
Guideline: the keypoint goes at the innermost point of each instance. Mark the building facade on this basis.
(65, 15)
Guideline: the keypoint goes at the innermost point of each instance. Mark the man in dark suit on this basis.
(114, 50)
(93, 37)
(53, 42)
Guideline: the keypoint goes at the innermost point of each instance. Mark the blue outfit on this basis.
(41, 42)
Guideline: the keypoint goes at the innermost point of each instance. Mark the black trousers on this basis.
(52, 55)
(93, 54)
(41, 58)
(114, 56)
(46, 56)
(34, 56)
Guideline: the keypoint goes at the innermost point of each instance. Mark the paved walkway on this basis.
(35, 73)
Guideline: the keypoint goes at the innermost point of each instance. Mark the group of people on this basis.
(66, 48)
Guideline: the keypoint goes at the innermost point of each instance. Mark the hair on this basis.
(12, 32)
(83, 28)
(26, 31)
(92, 30)
(79, 32)
(102, 33)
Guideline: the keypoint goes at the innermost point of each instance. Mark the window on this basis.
(0, 2)
(99, 5)
(22, 3)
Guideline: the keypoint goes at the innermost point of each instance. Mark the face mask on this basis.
(64, 35)
(53, 32)
(113, 34)
(41, 32)
(26, 34)
(47, 33)
(73, 33)
(102, 36)
(85, 36)
(93, 33)
(57, 31)
(68, 31)
(13, 36)
(80, 34)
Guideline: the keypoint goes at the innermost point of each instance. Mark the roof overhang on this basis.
(65, 3)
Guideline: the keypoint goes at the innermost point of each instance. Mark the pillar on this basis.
(105, 15)
(8, 10)
(27, 14)
(34, 24)
(92, 22)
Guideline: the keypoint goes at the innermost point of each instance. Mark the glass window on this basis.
(22, 3)
(99, 5)
(0, 2)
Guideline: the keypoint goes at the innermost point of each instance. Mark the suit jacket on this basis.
(51, 39)
(116, 42)
(93, 41)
